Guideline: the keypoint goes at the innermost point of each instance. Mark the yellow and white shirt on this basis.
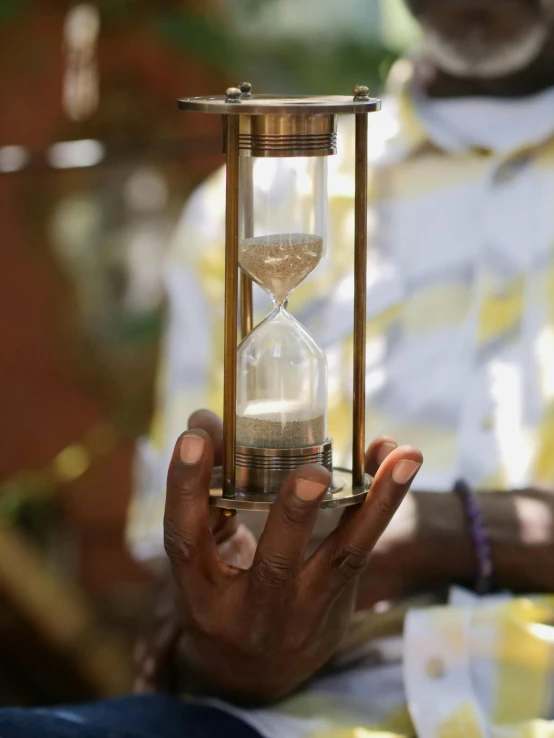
(460, 363)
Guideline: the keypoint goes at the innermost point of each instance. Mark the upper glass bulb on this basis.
(279, 262)
(286, 238)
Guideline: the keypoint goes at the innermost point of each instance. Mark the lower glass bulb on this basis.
(282, 386)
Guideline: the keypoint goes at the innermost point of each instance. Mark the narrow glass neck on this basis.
(280, 305)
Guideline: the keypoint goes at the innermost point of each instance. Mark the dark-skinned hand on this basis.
(255, 634)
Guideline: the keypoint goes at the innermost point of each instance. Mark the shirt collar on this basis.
(424, 123)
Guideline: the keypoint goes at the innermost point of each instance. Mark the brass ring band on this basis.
(286, 135)
(286, 146)
(261, 458)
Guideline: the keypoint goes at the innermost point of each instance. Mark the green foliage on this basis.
(200, 36)
(117, 11)
(279, 65)
(11, 10)
(296, 67)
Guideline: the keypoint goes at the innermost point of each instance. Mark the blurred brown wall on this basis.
(44, 405)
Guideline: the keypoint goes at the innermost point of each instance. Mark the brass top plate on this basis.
(284, 105)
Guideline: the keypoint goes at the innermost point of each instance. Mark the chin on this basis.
(483, 38)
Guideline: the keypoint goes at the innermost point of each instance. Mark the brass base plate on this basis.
(342, 494)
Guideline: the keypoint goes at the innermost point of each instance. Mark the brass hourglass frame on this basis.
(273, 126)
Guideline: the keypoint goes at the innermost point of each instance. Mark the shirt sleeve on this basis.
(437, 674)
(480, 667)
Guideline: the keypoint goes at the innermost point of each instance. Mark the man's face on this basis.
(483, 38)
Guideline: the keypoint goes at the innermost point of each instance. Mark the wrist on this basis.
(520, 529)
(446, 547)
(206, 668)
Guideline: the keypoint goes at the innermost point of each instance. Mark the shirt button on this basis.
(435, 668)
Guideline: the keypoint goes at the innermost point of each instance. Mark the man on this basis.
(460, 311)
(461, 362)
(460, 358)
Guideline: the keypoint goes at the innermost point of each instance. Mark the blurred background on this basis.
(95, 166)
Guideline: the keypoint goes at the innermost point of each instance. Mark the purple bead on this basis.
(479, 536)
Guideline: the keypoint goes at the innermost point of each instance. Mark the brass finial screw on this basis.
(361, 92)
(246, 89)
(233, 95)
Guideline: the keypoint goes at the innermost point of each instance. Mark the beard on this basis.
(477, 58)
(487, 40)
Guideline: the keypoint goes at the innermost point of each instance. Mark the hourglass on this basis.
(275, 390)
(281, 372)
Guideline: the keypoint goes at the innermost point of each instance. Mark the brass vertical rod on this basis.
(246, 298)
(360, 299)
(246, 305)
(231, 305)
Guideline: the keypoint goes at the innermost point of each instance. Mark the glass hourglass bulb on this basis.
(279, 262)
(281, 372)
(282, 386)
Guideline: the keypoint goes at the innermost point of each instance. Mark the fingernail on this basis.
(405, 471)
(386, 448)
(191, 449)
(308, 490)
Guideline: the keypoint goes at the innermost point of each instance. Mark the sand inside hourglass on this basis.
(280, 262)
(280, 425)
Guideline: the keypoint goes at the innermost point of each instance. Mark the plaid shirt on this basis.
(460, 363)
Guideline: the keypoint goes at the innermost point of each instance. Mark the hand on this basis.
(255, 635)
(153, 654)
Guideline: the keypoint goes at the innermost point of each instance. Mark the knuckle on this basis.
(295, 512)
(273, 572)
(182, 480)
(384, 507)
(349, 562)
(178, 544)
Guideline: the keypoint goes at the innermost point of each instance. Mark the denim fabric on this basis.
(147, 716)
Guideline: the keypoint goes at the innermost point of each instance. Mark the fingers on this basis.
(345, 553)
(221, 526)
(283, 543)
(377, 452)
(213, 425)
(187, 535)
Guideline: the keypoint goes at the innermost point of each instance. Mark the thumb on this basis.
(186, 521)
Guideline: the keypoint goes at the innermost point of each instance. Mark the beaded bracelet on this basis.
(479, 536)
